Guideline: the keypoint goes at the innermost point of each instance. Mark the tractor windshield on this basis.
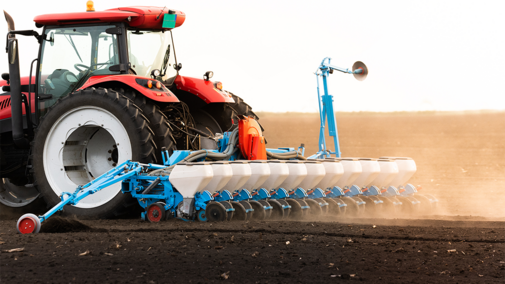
(69, 55)
(150, 50)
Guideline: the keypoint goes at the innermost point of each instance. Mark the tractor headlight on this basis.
(219, 86)
(155, 73)
(208, 75)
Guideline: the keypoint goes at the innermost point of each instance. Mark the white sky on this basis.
(422, 55)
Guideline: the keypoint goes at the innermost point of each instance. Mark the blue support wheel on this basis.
(201, 216)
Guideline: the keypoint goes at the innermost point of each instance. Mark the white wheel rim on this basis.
(76, 151)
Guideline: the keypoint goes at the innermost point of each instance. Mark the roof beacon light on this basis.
(90, 6)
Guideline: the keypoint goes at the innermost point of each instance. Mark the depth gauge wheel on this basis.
(84, 135)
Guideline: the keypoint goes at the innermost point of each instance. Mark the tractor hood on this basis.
(141, 17)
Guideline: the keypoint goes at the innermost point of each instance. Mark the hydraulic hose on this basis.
(230, 150)
(286, 156)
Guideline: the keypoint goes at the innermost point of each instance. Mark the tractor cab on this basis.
(70, 54)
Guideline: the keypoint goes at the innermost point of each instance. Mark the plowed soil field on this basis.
(460, 159)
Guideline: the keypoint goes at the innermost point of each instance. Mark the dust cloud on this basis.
(460, 156)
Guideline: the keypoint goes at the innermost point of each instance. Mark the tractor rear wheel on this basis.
(157, 122)
(84, 135)
(227, 114)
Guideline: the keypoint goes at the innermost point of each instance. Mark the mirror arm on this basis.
(39, 38)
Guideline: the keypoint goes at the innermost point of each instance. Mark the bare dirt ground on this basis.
(460, 158)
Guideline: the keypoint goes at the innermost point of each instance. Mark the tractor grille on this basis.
(5, 103)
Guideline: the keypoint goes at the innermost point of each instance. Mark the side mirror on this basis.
(51, 38)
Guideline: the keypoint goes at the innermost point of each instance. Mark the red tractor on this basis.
(106, 89)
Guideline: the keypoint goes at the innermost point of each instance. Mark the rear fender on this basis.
(205, 90)
(163, 95)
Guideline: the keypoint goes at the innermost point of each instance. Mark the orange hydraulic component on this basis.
(250, 139)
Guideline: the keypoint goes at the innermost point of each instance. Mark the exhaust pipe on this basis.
(18, 135)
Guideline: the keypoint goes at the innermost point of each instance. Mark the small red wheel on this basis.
(155, 212)
(28, 224)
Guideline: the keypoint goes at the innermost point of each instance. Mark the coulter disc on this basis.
(333, 206)
(315, 209)
(229, 214)
(247, 206)
(268, 212)
(296, 209)
(240, 213)
(259, 211)
(277, 210)
(287, 211)
(215, 212)
(325, 207)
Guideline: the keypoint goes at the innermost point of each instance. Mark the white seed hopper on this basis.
(190, 178)
(241, 173)
(315, 173)
(279, 172)
(297, 173)
(406, 169)
(370, 169)
(352, 169)
(334, 171)
(222, 175)
(388, 171)
(260, 171)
